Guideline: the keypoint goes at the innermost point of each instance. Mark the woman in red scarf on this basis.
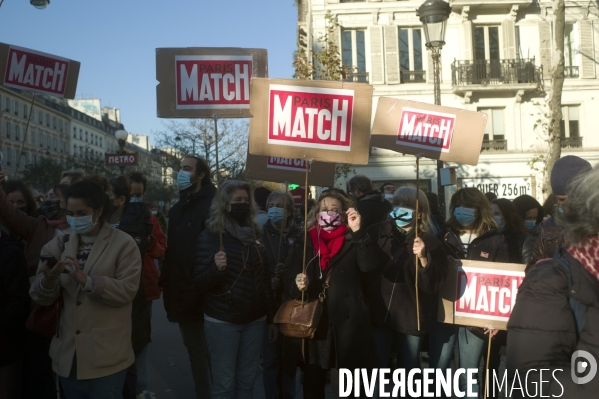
(338, 246)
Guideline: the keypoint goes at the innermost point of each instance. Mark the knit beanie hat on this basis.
(563, 172)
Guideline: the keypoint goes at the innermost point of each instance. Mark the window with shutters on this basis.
(411, 49)
(48, 120)
(80, 134)
(8, 130)
(7, 104)
(54, 122)
(487, 55)
(40, 117)
(25, 111)
(74, 132)
(16, 107)
(569, 127)
(494, 138)
(353, 54)
(17, 132)
(86, 137)
(571, 51)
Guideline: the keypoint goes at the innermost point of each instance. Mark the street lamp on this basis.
(121, 136)
(39, 4)
(433, 15)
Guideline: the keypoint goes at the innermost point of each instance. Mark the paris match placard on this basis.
(481, 294)
(436, 132)
(207, 82)
(26, 69)
(292, 170)
(320, 120)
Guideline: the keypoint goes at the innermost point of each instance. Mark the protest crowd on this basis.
(79, 273)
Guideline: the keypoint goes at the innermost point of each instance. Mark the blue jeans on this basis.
(471, 352)
(271, 356)
(109, 387)
(442, 340)
(235, 354)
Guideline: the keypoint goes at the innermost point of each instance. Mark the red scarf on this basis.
(588, 255)
(60, 224)
(329, 244)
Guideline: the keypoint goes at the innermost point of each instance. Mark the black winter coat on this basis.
(390, 292)
(344, 335)
(515, 246)
(271, 238)
(236, 295)
(187, 220)
(542, 333)
(373, 208)
(489, 246)
(14, 302)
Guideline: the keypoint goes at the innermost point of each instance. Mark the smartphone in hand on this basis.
(52, 261)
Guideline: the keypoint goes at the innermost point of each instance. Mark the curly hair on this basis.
(227, 189)
(580, 217)
(472, 197)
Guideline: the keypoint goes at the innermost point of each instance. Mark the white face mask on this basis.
(389, 197)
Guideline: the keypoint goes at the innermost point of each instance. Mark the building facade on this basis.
(497, 60)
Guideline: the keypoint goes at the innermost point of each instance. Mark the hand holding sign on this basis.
(419, 249)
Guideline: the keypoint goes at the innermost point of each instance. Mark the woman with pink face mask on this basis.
(337, 246)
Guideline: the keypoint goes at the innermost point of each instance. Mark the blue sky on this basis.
(115, 41)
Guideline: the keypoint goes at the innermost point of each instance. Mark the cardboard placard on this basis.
(480, 294)
(320, 120)
(436, 132)
(277, 169)
(204, 82)
(26, 69)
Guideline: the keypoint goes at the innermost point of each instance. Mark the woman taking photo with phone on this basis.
(96, 277)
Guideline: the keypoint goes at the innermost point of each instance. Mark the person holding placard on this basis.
(471, 234)
(337, 248)
(235, 275)
(390, 292)
(552, 331)
(280, 209)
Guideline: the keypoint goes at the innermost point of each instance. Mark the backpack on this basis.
(578, 309)
(136, 222)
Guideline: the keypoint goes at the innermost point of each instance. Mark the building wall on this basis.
(524, 31)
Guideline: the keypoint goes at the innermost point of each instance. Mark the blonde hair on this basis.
(227, 189)
(407, 196)
(471, 197)
(313, 214)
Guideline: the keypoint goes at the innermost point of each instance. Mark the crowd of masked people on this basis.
(235, 257)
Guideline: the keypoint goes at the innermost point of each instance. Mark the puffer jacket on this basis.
(390, 293)
(547, 243)
(542, 331)
(187, 219)
(373, 207)
(489, 246)
(242, 292)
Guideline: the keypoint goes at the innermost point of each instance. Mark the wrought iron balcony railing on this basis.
(494, 145)
(494, 72)
(570, 72)
(571, 142)
(413, 77)
(358, 77)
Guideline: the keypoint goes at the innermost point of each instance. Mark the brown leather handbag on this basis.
(298, 319)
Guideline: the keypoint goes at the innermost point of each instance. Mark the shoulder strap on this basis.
(65, 239)
(578, 309)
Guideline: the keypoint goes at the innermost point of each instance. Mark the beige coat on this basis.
(94, 325)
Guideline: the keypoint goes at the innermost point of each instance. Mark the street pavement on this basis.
(169, 371)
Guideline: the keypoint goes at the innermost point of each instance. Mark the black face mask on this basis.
(51, 209)
(240, 212)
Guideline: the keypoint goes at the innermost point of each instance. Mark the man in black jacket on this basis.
(371, 203)
(183, 303)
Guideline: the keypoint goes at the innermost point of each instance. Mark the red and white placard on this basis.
(290, 170)
(426, 129)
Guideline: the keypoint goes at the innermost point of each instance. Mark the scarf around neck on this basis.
(59, 224)
(246, 234)
(588, 255)
(327, 243)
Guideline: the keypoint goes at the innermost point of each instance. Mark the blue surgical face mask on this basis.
(499, 223)
(276, 214)
(135, 200)
(465, 216)
(530, 224)
(402, 216)
(81, 224)
(389, 197)
(184, 180)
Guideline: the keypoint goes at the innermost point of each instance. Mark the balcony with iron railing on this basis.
(571, 72)
(357, 77)
(483, 75)
(571, 142)
(413, 77)
(494, 145)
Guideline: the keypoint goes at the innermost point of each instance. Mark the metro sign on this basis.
(297, 165)
(213, 81)
(36, 71)
(121, 159)
(427, 130)
(310, 117)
